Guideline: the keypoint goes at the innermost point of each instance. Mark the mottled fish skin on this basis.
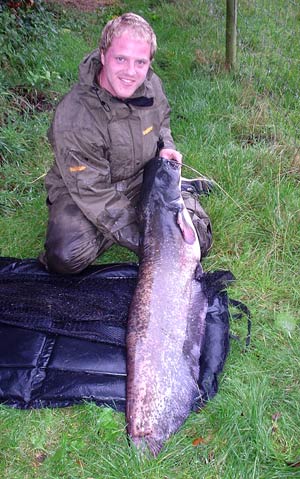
(167, 314)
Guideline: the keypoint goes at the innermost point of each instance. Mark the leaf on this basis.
(201, 440)
(198, 440)
(276, 416)
(39, 458)
(295, 464)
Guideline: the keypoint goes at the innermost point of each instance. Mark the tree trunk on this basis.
(231, 30)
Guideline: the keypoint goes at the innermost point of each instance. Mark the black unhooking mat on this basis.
(62, 338)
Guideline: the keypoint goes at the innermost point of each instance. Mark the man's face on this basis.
(125, 65)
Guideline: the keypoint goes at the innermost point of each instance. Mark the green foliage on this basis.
(23, 33)
(242, 130)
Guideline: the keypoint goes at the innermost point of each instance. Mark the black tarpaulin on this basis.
(62, 338)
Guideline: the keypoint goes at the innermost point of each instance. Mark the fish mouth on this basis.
(169, 163)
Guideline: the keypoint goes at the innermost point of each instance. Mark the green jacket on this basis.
(101, 145)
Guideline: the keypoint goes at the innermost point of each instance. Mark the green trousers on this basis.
(73, 242)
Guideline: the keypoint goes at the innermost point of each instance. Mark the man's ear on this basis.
(102, 57)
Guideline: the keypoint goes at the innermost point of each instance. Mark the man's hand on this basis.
(170, 154)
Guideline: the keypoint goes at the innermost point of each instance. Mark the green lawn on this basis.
(242, 130)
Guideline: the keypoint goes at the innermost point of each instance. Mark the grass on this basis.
(242, 130)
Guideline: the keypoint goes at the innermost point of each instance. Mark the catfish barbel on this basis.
(167, 314)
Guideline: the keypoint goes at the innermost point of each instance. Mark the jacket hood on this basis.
(90, 67)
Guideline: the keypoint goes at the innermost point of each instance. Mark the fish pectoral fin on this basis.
(186, 226)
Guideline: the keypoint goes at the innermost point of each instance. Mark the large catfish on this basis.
(167, 314)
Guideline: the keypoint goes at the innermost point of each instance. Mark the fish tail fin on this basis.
(154, 445)
(147, 444)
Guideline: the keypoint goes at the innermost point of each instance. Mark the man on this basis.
(113, 121)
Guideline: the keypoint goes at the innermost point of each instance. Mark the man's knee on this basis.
(61, 258)
(204, 232)
(201, 222)
(72, 241)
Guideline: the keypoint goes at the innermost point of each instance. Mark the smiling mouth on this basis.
(127, 81)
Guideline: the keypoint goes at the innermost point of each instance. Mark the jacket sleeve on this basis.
(165, 129)
(86, 174)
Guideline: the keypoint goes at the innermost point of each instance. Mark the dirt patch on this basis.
(254, 139)
(84, 5)
(25, 101)
(30, 101)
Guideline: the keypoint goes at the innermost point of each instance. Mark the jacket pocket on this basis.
(85, 173)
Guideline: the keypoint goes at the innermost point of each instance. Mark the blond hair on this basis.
(131, 23)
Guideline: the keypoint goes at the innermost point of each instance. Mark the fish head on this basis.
(161, 203)
(161, 182)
